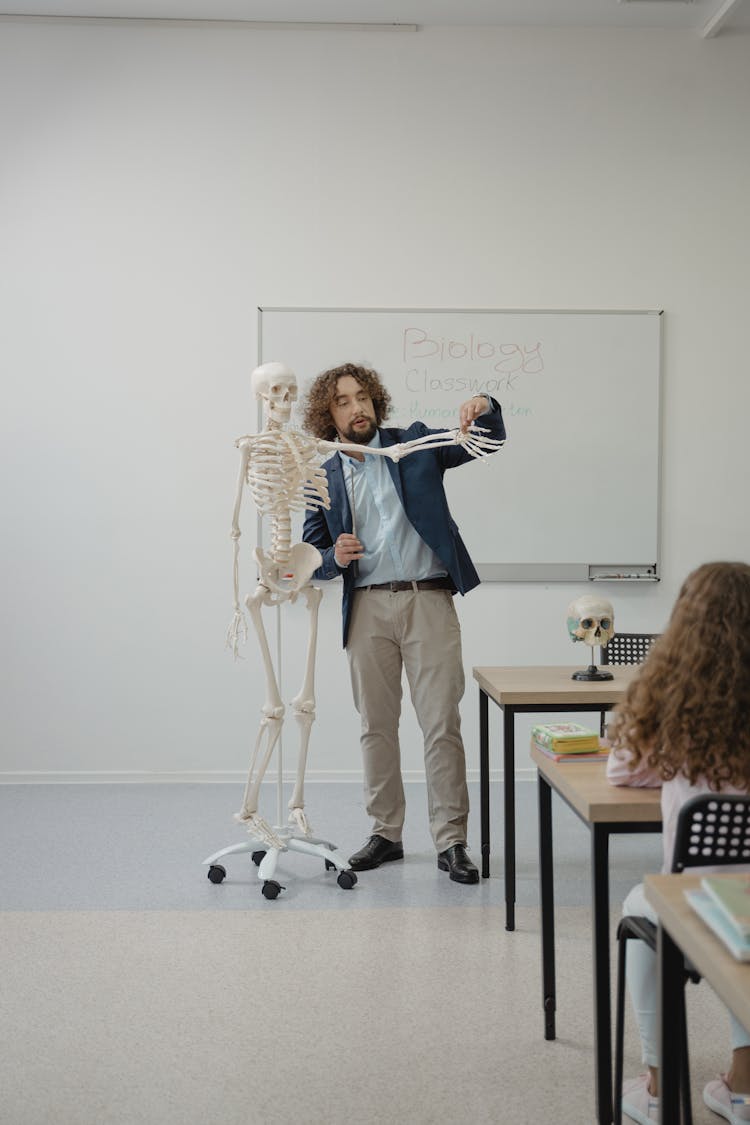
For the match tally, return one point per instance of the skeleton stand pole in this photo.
(279, 747)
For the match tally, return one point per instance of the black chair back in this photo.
(713, 830)
(628, 648)
(625, 648)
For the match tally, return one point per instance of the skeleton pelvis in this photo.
(288, 577)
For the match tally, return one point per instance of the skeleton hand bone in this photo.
(473, 440)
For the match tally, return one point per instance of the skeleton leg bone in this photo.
(270, 729)
(269, 732)
(304, 710)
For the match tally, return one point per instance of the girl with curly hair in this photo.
(684, 725)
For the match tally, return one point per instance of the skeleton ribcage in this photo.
(284, 476)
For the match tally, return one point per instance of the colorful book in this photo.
(731, 893)
(708, 909)
(598, 754)
(565, 738)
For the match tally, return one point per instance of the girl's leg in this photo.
(642, 985)
(738, 1078)
(729, 1095)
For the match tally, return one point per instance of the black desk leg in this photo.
(671, 995)
(509, 786)
(602, 1005)
(547, 895)
(484, 782)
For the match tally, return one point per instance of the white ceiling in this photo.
(702, 17)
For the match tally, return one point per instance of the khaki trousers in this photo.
(418, 631)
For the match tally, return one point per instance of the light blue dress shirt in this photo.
(393, 550)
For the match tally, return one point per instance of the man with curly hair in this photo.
(390, 535)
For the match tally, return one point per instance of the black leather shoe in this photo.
(457, 863)
(377, 850)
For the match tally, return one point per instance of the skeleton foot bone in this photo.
(298, 818)
(261, 830)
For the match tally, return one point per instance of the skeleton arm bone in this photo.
(237, 630)
(474, 441)
(352, 447)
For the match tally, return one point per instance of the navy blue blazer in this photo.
(419, 483)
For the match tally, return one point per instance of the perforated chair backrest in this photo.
(628, 648)
(713, 830)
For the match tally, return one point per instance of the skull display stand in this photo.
(282, 469)
(591, 620)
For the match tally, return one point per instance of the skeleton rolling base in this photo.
(266, 859)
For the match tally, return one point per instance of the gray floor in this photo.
(141, 847)
(136, 992)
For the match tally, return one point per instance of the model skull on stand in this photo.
(592, 620)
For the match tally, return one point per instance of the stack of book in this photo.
(568, 742)
(723, 902)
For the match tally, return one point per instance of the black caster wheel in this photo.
(330, 866)
(217, 873)
(271, 888)
(257, 858)
(347, 879)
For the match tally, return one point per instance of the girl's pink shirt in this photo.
(674, 794)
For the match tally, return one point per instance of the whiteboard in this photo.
(574, 492)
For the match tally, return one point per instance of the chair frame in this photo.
(713, 830)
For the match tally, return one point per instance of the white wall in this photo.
(157, 184)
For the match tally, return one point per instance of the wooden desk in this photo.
(605, 809)
(681, 931)
(538, 690)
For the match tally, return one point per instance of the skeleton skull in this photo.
(591, 620)
(276, 385)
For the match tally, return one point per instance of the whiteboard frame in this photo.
(641, 571)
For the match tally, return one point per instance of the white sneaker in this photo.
(734, 1107)
(637, 1102)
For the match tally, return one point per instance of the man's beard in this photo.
(362, 436)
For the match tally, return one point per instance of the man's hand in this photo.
(470, 410)
(347, 548)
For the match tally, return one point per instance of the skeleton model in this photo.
(591, 620)
(282, 469)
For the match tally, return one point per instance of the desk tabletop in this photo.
(550, 685)
(729, 978)
(585, 787)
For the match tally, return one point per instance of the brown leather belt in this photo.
(425, 584)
